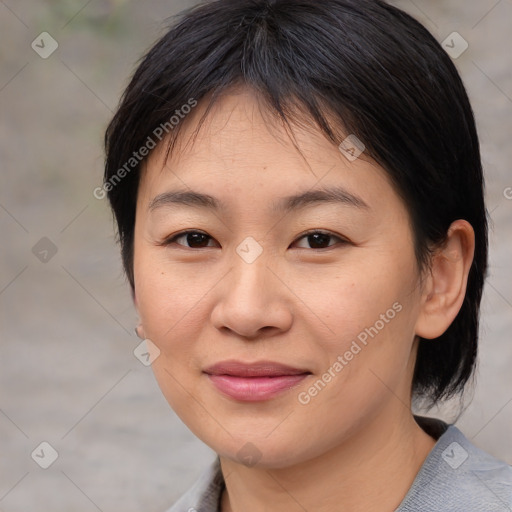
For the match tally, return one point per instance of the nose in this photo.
(252, 301)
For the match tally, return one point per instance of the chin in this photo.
(260, 452)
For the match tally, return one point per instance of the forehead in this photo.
(240, 146)
(240, 126)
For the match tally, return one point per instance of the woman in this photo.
(299, 198)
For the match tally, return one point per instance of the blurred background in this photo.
(68, 374)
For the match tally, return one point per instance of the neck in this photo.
(372, 470)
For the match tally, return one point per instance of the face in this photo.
(283, 304)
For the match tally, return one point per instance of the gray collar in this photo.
(456, 473)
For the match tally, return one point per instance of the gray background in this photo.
(68, 375)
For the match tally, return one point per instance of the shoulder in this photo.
(457, 476)
(205, 494)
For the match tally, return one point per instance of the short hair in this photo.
(359, 67)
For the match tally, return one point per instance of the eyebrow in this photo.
(190, 198)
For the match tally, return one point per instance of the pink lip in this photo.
(256, 381)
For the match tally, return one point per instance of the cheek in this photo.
(370, 309)
(172, 308)
(168, 301)
(170, 298)
(352, 294)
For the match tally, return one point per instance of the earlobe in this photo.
(445, 287)
(139, 331)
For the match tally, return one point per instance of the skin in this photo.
(355, 446)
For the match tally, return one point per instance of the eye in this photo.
(194, 239)
(320, 239)
(197, 240)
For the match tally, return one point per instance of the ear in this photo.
(445, 286)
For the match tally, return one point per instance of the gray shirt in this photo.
(455, 477)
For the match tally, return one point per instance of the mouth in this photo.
(253, 382)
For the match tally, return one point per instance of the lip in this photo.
(253, 382)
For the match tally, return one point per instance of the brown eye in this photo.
(191, 239)
(320, 240)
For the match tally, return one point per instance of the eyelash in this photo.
(172, 240)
